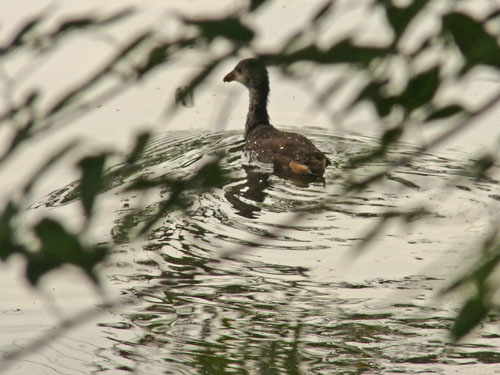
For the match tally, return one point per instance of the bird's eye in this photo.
(238, 70)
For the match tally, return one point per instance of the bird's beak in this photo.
(230, 76)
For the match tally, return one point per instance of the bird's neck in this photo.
(257, 110)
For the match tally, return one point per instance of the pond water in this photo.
(261, 275)
(258, 277)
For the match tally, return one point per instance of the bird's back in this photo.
(286, 150)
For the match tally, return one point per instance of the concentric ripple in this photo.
(281, 298)
(256, 208)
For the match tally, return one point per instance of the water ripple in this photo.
(291, 299)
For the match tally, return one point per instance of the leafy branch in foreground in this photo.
(416, 102)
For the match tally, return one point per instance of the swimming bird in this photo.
(288, 152)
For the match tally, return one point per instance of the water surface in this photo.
(291, 298)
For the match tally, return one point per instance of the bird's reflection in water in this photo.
(252, 188)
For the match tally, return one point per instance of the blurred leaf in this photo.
(361, 185)
(477, 46)
(254, 4)
(91, 181)
(82, 22)
(25, 29)
(57, 243)
(342, 52)
(471, 314)
(78, 23)
(363, 158)
(400, 18)
(482, 165)
(59, 247)
(209, 176)
(157, 56)
(484, 271)
(230, 28)
(293, 42)
(479, 273)
(136, 42)
(19, 37)
(391, 136)
(444, 112)
(118, 16)
(322, 12)
(420, 90)
(373, 93)
(25, 130)
(141, 142)
(347, 52)
(30, 99)
(21, 135)
(8, 245)
(494, 14)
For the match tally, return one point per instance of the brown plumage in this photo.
(288, 152)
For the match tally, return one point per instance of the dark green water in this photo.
(290, 300)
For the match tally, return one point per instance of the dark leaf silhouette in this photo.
(494, 14)
(374, 93)
(481, 166)
(255, 4)
(20, 36)
(448, 111)
(420, 90)
(486, 265)
(91, 182)
(391, 136)
(230, 28)
(342, 52)
(20, 136)
(157, 56)
(474, 310)
(60, 247)
(477, 46)
(83, 22)
(8, 244)
(29, 100)
(400, 18)
(322, 12)
(140, 145)
(131, 46)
